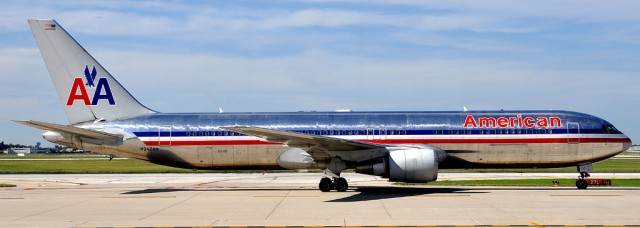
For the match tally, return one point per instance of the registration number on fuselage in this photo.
(149, 148)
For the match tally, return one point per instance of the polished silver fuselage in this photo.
(470, 139)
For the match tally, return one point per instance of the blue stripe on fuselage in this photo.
(409, 123)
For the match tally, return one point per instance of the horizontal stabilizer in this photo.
(87, 133)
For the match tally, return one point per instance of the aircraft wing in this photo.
(87, 133)
(312, 143)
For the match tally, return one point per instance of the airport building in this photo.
(26, 150)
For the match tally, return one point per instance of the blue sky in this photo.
(196, 56)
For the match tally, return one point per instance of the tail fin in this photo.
(86, 90)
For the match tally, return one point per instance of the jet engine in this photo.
(406, 164)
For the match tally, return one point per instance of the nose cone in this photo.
(627, 143)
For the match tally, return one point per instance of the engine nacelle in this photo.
(413, 165)
(408, 165)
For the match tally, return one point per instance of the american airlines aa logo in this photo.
(101, 90)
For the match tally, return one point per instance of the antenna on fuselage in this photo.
(220, 110)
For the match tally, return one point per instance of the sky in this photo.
(379, 55)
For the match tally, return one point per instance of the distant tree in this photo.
(10, 145)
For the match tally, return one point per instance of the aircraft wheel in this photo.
(325, 184)
(582, 184)
(341, 184)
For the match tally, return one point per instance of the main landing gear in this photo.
(327, 184)
(584, 170)
(332, 179)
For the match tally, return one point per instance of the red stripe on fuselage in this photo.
(498, 141)
(400, 141)
(209, 143)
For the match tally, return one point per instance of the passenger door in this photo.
(573, 133)
(164, 135)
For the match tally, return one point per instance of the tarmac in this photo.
(292, 199)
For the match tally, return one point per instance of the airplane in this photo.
(403, 146)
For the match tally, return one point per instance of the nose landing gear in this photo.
(584, 170)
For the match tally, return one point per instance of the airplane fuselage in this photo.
(470, 139)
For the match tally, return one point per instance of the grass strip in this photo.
(606, 166)
(522, 182)
(100, 166)
(7, 185)
(138, 166)
(54, 156)
(86, 166)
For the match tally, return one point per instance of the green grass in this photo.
(606, 166)
(86, 166)
(7, 185)
(136, 166)
(100, 166)
(523, 182)
(54, 156)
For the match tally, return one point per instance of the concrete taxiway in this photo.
(291, 199)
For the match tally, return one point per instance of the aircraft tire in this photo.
(582, 184)
(325, 184)
(341, 184)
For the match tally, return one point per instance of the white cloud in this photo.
(466, 43)
(316, 76)
(580, 10)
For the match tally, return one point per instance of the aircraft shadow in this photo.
(363, 193)
(166, 190)
(377, 193)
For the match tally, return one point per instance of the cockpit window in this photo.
(609, 129)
